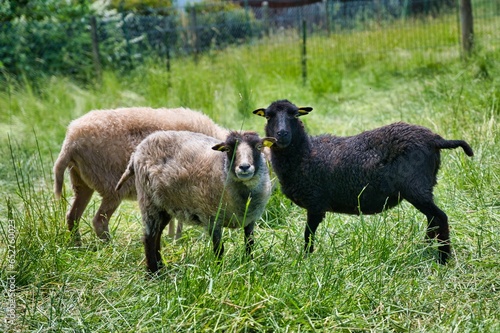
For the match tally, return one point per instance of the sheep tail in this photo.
(451, 144)
(129, 172)
(60, 166)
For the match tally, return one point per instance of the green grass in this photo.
(369, 273)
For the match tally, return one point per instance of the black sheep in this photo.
(364, 173)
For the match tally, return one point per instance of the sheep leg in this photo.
(178, 232)
(101, 218)
(164, 220)
(215, 229)
(437, 227)
(173, 232)
(249, 239)
(171, 229)
(83, 193)
(154, 223)
(313, 220)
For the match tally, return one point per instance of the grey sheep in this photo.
(184, 175)
(364, 173)
(98, 146)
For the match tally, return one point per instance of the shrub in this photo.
(219, 25)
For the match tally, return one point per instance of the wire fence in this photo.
(330, 28)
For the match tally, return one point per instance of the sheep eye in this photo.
(259, 146)
(268, 117)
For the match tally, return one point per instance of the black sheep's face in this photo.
(282, 120)
(244, 152)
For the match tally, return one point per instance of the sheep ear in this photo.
(268, 142)
(260, 112)
(303, 110)
(220, 147)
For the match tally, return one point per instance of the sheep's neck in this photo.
(242, 190)
(244, 197)
(287, 160)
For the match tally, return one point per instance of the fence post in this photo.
(194, 26)
(327, 16)
(406, 9)
(167, 49)
(467, 26)
(125, 33)
(95, 48)
(304, 52)
(247, 18)
(265, 16)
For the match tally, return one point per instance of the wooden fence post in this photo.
(95, 48)
(467, 26)
(194, 27)
(304, 52)
(167, 32)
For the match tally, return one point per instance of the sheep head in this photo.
(282, 120)
(244, 153)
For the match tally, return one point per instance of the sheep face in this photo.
(244, 153)
(282, 120)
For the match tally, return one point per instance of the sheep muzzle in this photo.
(244, 171)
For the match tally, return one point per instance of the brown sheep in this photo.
(184, 175)
(97, 149)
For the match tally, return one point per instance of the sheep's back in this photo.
(373, 162)
(179, 172)
(102, 141)
(139, 120)
(374, 149)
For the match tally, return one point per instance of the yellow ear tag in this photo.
(305, 110)
(260, 112)
(219, 147)
(268, 142)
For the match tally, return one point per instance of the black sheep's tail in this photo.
(451, 144)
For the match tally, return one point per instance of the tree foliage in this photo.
(43, 9)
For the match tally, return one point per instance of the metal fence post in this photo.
(327, 16)
(265, 17)
(247, 18)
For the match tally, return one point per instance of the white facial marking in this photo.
(244, 164)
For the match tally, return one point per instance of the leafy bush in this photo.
(142, 6)
(56, 39)
(46, 36)
(219, 25)
(35, 47)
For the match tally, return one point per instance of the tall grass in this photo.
(369, 273)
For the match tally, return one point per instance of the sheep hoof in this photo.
(105, 237)
(308, 252)
(156, 272)
(443, 257)
(154, 275)
(76, 239)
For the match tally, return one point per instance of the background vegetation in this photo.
(369, 273)
(79, 38)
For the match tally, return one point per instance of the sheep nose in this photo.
(282, 133)
(244, 167)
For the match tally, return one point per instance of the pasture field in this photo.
(368, 274)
